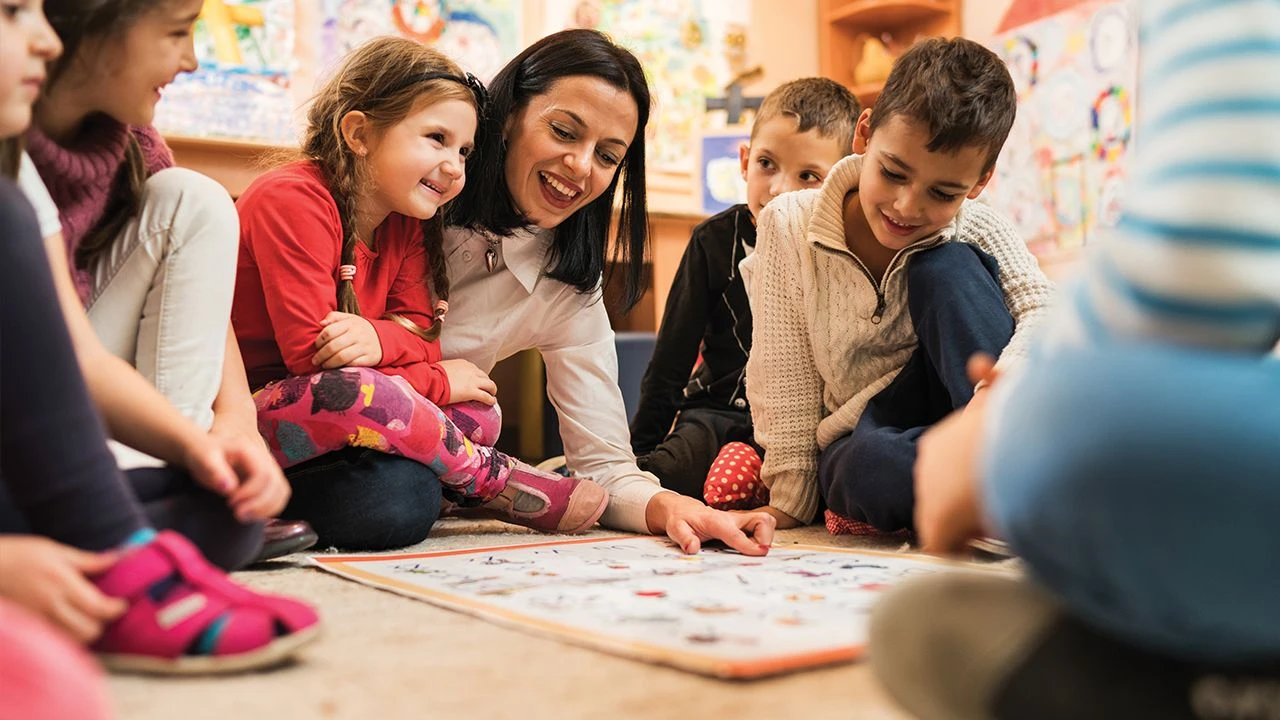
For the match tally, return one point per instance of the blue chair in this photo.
(635, 349)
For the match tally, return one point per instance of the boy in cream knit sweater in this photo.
(871, 293)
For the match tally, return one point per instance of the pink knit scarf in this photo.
(82, 175)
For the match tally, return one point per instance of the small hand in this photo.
(239, 467)
(688, 523)
(948, 508)
(468, 382)
(51, 580)
(346, 340)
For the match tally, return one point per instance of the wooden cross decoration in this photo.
(733, 101)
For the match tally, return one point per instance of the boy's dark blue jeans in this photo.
(957, 309)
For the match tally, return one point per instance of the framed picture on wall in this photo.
(720, 181)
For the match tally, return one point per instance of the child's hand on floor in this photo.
(50, 580)
(468, 382)
(346, 341)
(948, 511)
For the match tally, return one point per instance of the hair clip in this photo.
(442, 307)
(478, 89)
(467, 80)
(346, 272)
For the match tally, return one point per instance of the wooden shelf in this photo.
(234, 163)
(843, 25)
(871, 15)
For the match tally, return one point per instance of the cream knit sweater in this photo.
(819, 352)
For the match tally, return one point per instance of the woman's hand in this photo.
(689, 523)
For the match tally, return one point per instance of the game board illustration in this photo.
(716, 613)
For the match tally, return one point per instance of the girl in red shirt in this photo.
(339, 256)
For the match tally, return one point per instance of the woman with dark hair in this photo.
(526, 252)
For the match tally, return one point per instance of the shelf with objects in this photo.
(858, 39)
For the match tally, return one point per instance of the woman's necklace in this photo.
(491, 252)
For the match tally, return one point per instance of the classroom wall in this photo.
(981, 17)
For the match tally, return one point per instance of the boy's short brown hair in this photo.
(814, 102)
(959, 90)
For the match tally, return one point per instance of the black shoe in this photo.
(285, 537)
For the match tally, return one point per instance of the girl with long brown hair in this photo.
(150, 251)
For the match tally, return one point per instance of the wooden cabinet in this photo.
(843, 26)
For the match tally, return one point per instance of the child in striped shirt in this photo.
(1133, 461)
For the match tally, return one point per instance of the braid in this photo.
(385, 79)
(342, 176)
(433, 240)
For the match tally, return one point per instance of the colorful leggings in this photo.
(306, 416)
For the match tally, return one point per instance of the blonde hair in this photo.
(386, 79)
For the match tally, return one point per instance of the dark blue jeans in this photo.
(957, 309)
(360, 499)
(57, 477)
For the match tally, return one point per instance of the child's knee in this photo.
(947, 268)
(188, 201)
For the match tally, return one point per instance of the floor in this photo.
(387, 657)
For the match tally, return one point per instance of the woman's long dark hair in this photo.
(580, 248)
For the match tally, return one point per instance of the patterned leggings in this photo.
(306, 416)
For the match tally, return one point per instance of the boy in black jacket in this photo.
(802, 129)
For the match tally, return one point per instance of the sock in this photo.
(138, 538)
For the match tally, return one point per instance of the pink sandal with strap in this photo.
(186, 617)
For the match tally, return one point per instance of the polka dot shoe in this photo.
(734, 480)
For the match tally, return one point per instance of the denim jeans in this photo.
(361, 499)
(57, 478)
(161, 295)
(957, 309)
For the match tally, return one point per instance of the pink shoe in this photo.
(545, 502)
(733, 483)
(186, 617)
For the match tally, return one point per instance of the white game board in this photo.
(717, 613)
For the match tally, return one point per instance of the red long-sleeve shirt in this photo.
(287, 276)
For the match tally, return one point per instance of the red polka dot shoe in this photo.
(733, 482)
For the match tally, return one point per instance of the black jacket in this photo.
(706, 311)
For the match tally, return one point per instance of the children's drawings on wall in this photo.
(717, 613)
(689, 49)
(480, 35)
(250, 53)
(242, 88)
(1061, 175)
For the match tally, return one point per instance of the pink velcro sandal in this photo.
(186, 617)
(543, 501)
